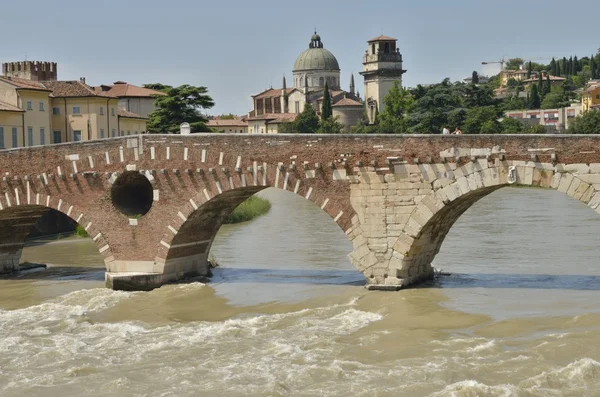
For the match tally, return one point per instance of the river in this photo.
(287, 314)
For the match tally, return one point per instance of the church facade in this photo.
(316, 67)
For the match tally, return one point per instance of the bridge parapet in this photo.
(395, 196)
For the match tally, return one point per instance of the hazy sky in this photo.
(238, 48)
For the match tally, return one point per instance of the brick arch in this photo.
(19, 212)
(431, 220)
(184, 248)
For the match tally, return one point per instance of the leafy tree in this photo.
(393, 118)
(514, 64)
(475, 77)
(326, 111)
(514, 103)
(557, 98)
(481, 120)
(534, 100)
(229, 116)
(307, 122)
(536, 129)
(512, 126)
(181, 104)
(587, 123)
(456, 118)
(330, 126)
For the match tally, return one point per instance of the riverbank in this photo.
(250, 209)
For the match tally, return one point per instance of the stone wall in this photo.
(395, 196)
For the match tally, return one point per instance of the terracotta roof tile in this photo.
(382, 38)
(24, 83)
(347, 102)
(275, 117)
(273, 93)
(69, 89)
(129, 115)
(9, 108)
(552, 78)
(121, 89)
(227, 123)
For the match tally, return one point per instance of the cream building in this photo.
(41, 112)
(313, 68)
(132, 98)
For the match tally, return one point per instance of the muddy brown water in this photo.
(286, 314)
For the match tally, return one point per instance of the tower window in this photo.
(321, 82)
(373, 48)
(387, 48)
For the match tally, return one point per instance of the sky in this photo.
(238, 48)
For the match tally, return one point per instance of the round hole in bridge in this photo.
(132, 194)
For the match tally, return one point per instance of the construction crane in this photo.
(502, 70)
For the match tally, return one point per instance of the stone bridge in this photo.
(154, 203)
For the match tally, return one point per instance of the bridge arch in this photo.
(184, 248)
(428, 224)
(18, 214)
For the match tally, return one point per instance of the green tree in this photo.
(307, 122)
(229, 116)
(330, 126)
(512, 126)
(564, 66)
(529, 69)
(393, 118)
(326, 111)
(181, 104)
(553, 67)
(586, 123)
(482, 120)
(514, 64)
(534, 99)
(475, 77)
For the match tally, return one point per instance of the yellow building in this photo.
(32, 98)
(591, 97)
(35, 111)
(131, 123)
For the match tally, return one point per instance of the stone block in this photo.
(594, 201)
(595, 168)
(581, 190)
(404, 244)
(565, 182)
(590, 178)
(422, 215)
(556, 180)
(463, 185)
(389, 178)
(574, 186)
(579, 168)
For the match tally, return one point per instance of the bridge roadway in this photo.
(154, 203)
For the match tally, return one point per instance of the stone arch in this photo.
(184, 248)
(428, 224)
(18, 215)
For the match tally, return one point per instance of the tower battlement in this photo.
(31, 70)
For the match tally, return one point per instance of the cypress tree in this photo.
(564, 66)
(326, 111)
(593, 66)
(571, 66)
(558, 71)
(534, 100)
(553, 67)
(548, 85)
(529, 69)
(540, 85)
(575, 65)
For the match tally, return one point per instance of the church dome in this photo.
(316, 57)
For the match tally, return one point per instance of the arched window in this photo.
(373, 48)
(321, 82)
(301, 81)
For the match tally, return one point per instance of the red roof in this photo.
(227, 123)
(347, 102)
(9, 108)
(129, 115)
(382, 38)
(275, 117)
(72, 89)
(123, 89)
(24, 83)
(272, 93)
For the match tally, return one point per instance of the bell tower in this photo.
(382, 66)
